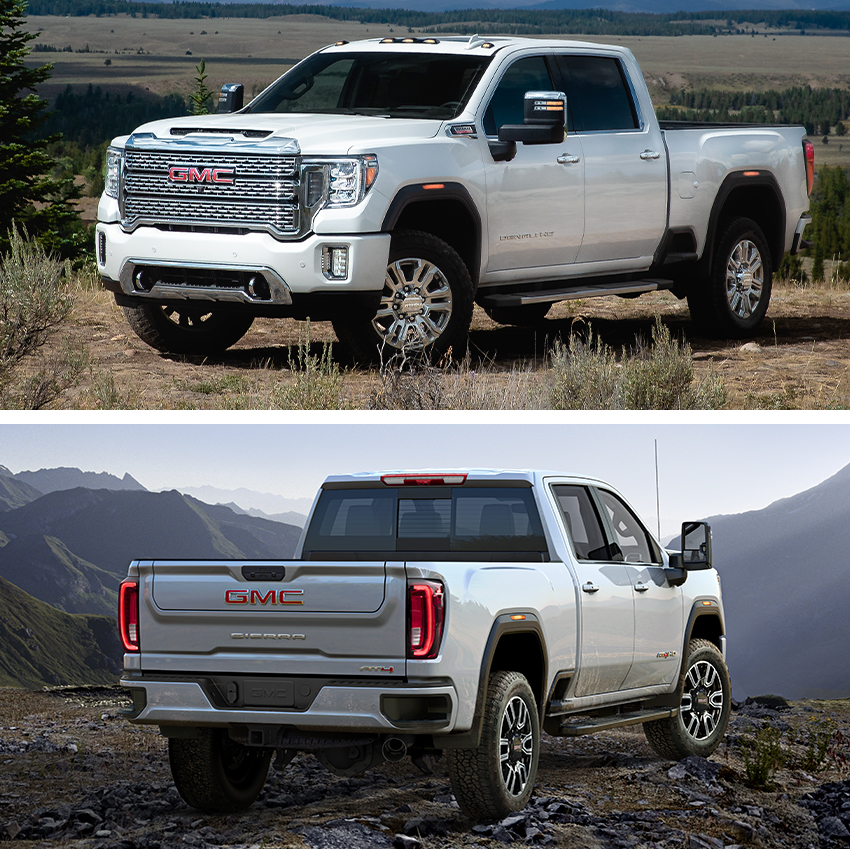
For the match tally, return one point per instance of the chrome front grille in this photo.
(263, 194)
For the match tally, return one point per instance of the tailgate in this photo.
(273, 617)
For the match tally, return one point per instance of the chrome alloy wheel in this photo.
(702, 700)
(416, 304)
(744, 278)
(516, 746)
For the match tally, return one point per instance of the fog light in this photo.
(335, 262)
(142, 281)
(259, 288)
(101, 248)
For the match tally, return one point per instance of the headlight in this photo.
(344, 181)
(114, 156)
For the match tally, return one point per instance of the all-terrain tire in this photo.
(706, 700)
(214, 773)
(732, 301)
(426, 303)
(187, 329)
(497, 778)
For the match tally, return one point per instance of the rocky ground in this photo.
(74, 774)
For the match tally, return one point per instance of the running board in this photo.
(590, 725)
(518, 299)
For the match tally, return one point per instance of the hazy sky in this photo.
(704, 469)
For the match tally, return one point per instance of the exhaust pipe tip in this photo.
(394, 749)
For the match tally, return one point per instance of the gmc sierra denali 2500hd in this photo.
(388, 185)
(425, 612)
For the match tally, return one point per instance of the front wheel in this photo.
(700, 724)
(187, 329)
(215, 773)
(734, 298)
(497, 778)
(426, 303)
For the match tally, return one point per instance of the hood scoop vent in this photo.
(248, 134)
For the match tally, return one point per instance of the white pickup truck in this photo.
(390, 184)
(427, 612)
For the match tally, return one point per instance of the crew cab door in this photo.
(535, 201)
(658, 607)
(625, 165)
(606, 606)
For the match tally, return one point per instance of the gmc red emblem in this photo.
(193, 174)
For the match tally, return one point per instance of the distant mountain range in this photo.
(50, 480)
(264, 504)
(786, 592)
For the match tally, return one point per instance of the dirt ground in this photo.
(799, 360)
(66, 756)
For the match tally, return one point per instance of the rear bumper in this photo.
(799, 243)
(339, 706)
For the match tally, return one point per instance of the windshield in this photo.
(392, 85)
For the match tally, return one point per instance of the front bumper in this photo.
(344, 706)
(288, 268)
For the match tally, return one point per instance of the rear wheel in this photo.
(733, 300)
(700, 724)
(426, 303)
(214, 773)
(497, 778)
(187, 329)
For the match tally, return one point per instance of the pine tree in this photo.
(25, 163)
(200, 98)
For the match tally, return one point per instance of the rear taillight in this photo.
(809, 150)
(425, 614)
(128, 615)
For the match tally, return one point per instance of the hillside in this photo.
(50, 480)
(785, 576)
(15, 493)
(44, 567)
(40, 645)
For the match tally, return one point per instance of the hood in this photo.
(304, 133)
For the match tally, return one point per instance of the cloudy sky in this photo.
(704, 469)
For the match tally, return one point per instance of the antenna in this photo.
(657, 493)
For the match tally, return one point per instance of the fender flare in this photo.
(503, 625)
(418, 193)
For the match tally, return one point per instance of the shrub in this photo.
(317, 384)
(33, 300)
(763, 756)
(655, 376)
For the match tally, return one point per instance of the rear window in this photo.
(470, 520)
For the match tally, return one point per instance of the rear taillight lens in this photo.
(425, 614)
(809, 150)
(128, 615)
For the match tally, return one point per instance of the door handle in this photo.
(650, 154)
(641, 587)
(590, 588)
(568, 159)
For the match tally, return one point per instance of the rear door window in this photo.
(598, 95)
(583, 523)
